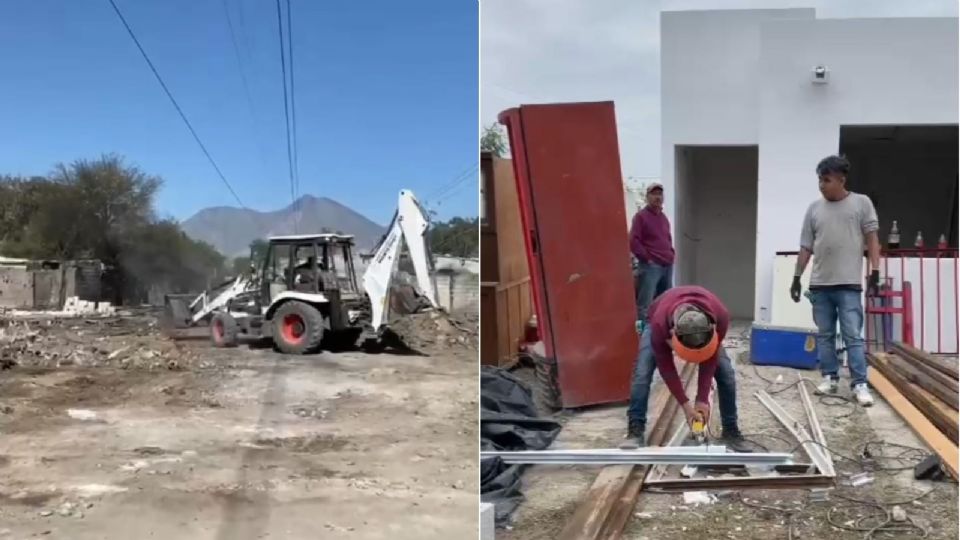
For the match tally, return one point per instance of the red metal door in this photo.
(567, 165)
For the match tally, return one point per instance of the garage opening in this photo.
(910, 173)
(716, 222)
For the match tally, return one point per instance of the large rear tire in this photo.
(297, 328)
(223, 330)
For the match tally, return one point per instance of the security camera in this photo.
(820, 74)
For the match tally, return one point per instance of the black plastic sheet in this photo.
(508, 421)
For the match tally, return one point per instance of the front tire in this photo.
(223, 330)
(297, 328)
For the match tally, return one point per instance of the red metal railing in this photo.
(918, 301)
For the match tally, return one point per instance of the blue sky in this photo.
(386, 97)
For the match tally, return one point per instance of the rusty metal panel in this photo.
(567, 166)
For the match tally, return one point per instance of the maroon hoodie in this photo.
(661, 319)
(650, 239)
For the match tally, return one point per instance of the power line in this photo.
(246, 86)
(453, 187)
(461, 177)
(293, 101)
(175, 104)
(286, 111)
(452, 192)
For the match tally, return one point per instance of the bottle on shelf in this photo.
(893, 239)
(942, 243)
(918, 243)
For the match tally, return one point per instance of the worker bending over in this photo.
(690, 322)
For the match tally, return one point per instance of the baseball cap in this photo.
(689, 324)
(653, 186)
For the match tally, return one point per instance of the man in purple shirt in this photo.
(688, 322)
(652, 245)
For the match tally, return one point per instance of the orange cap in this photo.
(696, 356)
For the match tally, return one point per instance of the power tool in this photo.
(699, 429)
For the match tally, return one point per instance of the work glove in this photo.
(795, 289)
(873, 283)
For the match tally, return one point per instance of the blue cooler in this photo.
(783, 346)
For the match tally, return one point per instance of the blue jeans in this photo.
(845, 305)
(654, 281)
(643, 377)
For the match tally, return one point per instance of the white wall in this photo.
(709, 95)
(882, 71)
(744, 77)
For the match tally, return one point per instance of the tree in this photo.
(458, 237)
(493, 140)
(103, 209)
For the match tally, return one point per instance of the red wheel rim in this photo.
(218, 330)
(293, 328)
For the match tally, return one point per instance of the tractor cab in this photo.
(316, 264)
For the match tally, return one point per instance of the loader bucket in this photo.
(176, 311)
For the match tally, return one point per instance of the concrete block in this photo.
(487, 521)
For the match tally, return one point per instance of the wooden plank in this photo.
(918, 399)
(928, 433)
(911, 372)
(743, 482)
(614, 493)
(936, 374)
(623, 508)
(949, 367)
(945, 409)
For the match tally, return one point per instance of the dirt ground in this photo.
(552, 493)
(169, 439)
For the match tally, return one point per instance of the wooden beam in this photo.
(928, 433)
(797, 481)
(608, 503)
(948, 367)
(922, 401)
(911, 372)
(623, 509)
(936, 374)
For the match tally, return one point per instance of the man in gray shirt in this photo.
(835, 229)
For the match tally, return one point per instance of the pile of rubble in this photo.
(116, 342)
(435, 329)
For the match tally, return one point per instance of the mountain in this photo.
(231, 230)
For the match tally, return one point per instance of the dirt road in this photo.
(241, 444)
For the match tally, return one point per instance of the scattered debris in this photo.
(859, 479)
(132, 342)
(81, 414)
(432, 329)
(698, 497)
(898, 514)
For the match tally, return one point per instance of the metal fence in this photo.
(917, 303)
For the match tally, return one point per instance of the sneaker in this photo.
(863, 395)
(634, 437)
(735, 441)
(828, 386)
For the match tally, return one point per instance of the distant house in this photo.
(46, 284)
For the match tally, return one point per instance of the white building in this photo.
(745, 121)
